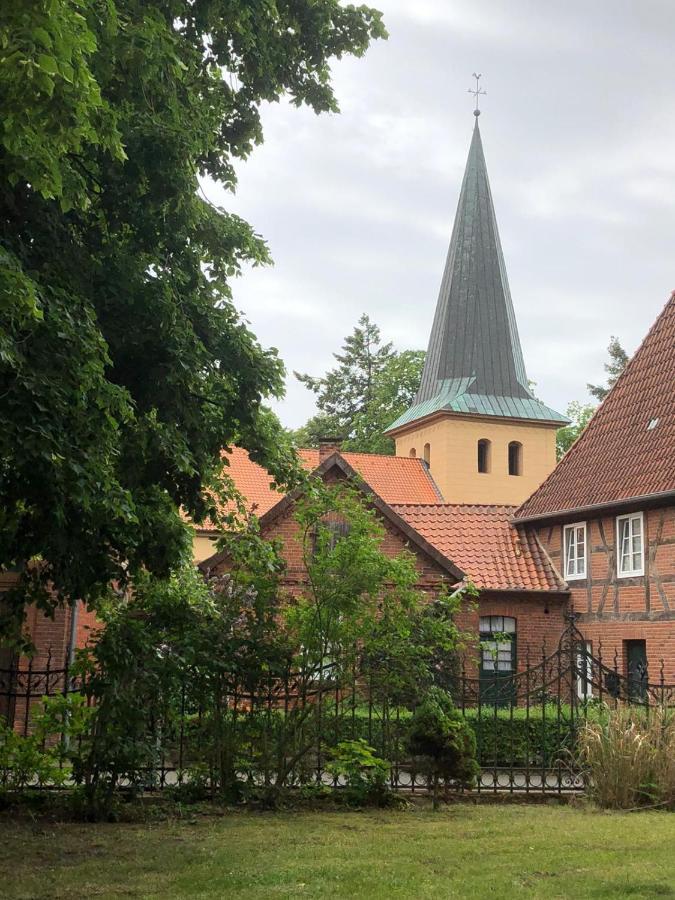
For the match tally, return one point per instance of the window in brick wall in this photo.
(498, 643)
(497, 659)
(630, 554)
(574, 541)
(335, 530)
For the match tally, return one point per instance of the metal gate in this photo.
(526, 724)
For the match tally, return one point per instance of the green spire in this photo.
(474, 362)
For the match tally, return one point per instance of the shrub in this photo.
(629, 757)
(44, 757)
(444, 741)
(365, 775)
(520, 738)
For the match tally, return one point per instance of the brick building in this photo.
(606, 514)
(520, 591)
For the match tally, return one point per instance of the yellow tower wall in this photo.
(203, 547)
(453, 457)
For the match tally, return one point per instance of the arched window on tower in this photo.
(427, 453)
(515, 458)
(484, 447)
(413, 452)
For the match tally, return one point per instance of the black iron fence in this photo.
(525, 723)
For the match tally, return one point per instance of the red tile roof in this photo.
(481, 541)
(478, 540)
(396, 479)
(628, 448)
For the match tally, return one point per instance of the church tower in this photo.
(485, 436)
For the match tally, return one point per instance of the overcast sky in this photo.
(579, 134)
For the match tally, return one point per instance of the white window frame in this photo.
(498, 656)
(640, 570)
(575, 576)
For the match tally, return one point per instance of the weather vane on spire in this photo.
(477, 91)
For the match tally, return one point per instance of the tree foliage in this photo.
(368, 389)
(444, 740)
(254, 680)
(618, 360)
(579, 415)
(124, 366)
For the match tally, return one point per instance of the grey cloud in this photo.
(578, 129)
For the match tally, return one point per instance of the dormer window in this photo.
(515, 458)
(484, 455)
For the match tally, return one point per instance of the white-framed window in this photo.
(498, 644)
(584, 674)
(574, 542)
(630, 545)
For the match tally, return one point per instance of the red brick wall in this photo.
(613, 610)
(286, 529)
(53, 634)
(540, 619)
(539, 624)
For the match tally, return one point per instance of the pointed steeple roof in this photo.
(474, 362)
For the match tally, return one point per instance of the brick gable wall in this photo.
(540, 616)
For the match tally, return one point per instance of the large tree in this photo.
(368, 389)
(124, 367)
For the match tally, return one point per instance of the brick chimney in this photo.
(328, 446)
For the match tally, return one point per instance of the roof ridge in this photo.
(463, 505)
(485, 505)
(414, 459)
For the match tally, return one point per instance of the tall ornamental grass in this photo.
(629, 757)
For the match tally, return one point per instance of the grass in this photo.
(463, 851)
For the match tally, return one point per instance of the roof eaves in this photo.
(401, 426)
(640, 500)
(557, 593)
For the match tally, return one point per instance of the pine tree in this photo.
(368, 389)
(618, 360)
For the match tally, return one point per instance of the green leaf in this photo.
(48, 64)
(42, 36)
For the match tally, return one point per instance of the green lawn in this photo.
(463, 851)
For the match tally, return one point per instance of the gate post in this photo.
(569, 644)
